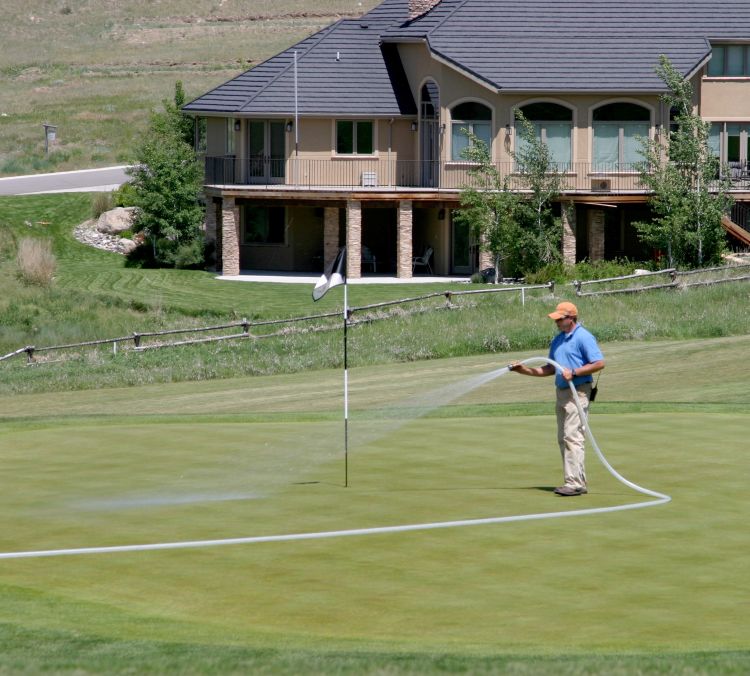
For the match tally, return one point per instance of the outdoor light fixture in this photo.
(508, 130)
(289, 125)
(414, 126)
(237, 125)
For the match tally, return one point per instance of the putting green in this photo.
(646, 578)
(220, 460)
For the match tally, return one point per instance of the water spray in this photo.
(445, 395)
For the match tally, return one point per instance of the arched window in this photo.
(429, 126)
(553, 125)
(476, 118)
(617, 127)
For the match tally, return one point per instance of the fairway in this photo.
(260, 457)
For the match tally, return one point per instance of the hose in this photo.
(661, 497)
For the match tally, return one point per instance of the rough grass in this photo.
(96, 296)
(96, 70)
(36, 262)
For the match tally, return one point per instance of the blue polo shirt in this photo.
(573, 350)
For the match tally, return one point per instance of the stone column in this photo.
(404, 246)
(354, 240)
(569, 233)
(596, 234)
(230, 237)
(330, 234)
(485, 257)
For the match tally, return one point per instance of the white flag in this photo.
(334, 275)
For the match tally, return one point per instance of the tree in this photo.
(167, 181)
(539, 174)
(489, 208)
(518, 229)
(689, 196)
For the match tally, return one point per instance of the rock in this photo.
(87, 233)
(115, 220)
(127, 245)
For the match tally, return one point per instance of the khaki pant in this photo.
(570, 433)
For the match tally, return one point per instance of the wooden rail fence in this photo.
(247, 326)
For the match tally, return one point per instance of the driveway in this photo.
(84, 180)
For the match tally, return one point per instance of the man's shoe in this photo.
(567, 491)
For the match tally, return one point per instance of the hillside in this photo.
(96, 68)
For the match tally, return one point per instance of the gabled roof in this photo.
(609, 46)
(575, 45)
(341, 70)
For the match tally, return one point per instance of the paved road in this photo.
(86, 180)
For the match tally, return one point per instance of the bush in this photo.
(583, 271)
(125, 196)
(36, 262)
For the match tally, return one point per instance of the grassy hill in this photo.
(95, 295)
(97, 68)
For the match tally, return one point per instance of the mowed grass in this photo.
(662, 589)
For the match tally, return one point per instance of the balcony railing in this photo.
(371, 173)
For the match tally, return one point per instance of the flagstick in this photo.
(346, 392)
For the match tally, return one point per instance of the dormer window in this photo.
(729, 61)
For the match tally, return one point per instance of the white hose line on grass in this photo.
(193, 544)
(661, 497)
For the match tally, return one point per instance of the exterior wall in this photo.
(568, 220)
(596, 234)
(430, 230)
(404, 249)
(456, 87)
(725, 99)
(302, 251)
(230, 234)
(354, 239)
(216, 136)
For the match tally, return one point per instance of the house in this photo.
(354, 135)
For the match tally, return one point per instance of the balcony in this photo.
(384, 175)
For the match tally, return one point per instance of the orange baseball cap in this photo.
(564, 310)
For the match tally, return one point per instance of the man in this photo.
(576, 350)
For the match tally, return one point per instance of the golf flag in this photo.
(334, 275)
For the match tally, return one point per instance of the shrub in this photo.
(36, 262)
(125, 195)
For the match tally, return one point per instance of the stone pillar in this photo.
(210, 230)
(596, 234)
(330, 234)
(404, 246)
(353, 240)
(569, 233)
(485, 257)
(230, 237)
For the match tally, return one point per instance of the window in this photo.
(354, 137)
(553, 125)
(230, 136)
(199, 135)
(474, 117)
(729, 61)
(730, 142)
(263, 225)
(618, 128)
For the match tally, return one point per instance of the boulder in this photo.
(115, 221)
(127, 245)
